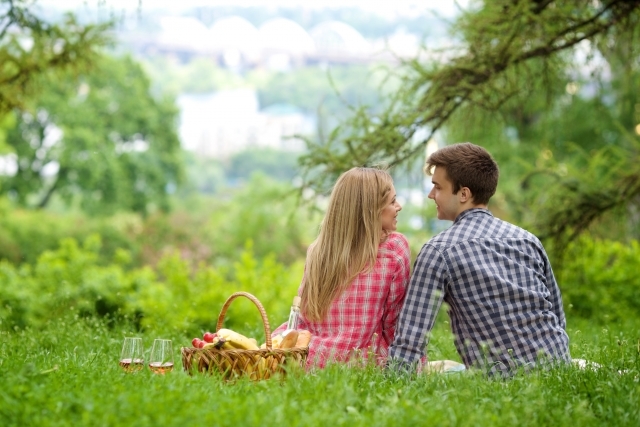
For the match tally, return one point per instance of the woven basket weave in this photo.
(255, 364)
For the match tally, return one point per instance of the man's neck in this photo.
(468, 206)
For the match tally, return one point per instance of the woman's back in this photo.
(364, 315)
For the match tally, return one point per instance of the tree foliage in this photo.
(30, 47)
(99, 139)
(514, 61)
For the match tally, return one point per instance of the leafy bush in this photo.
(599, 279)
(263, 211)
(192, 304)
(70, 279)
(26, 234)
(65, 280)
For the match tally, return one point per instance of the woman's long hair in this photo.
(348, 241)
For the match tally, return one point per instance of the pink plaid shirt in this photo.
(364, 316)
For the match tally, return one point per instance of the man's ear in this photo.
(465, 195)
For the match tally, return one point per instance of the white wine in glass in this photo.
(161, 360)
(131, 359)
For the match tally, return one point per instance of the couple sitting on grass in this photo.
(361, 301)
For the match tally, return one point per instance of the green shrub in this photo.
(263, 211)
(71, 280)
(68, 279)
(26, 234)
(599, 279)
(192, 303)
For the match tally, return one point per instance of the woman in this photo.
(356, 271)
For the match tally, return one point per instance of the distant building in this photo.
(284, 44)
(223, 123)
(336, 41)
(235, 42)
(278, 44)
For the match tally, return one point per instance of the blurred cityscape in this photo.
(231, 120)
(265, 39)
(247, 78)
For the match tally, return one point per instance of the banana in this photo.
(263, 370)
(216, 343)
(226, 345)
(236, 340)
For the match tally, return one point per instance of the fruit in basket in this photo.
(197, 343)
(208, 345)
(263, 369)
(215, 343)
(208, 337)
(236, 340)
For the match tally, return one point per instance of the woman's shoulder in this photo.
(396, 241)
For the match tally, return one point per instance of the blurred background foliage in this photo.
(122, 160)
(130, 226)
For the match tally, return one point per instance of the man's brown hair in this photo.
(467, 165)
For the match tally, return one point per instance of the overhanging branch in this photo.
(444, 89)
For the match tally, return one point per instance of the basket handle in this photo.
(263, 313)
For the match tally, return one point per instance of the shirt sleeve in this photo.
(397, 289)
(554, 291)
(424, 298)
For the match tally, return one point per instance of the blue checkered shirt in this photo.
(504, 303)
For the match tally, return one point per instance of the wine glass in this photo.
(131, 359)
(161, 360)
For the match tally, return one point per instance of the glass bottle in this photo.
(294, 315)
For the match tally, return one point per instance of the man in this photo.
(504, 303)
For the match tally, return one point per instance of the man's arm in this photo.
(554, 293)
(424, 298)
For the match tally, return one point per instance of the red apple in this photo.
(194, 342)
(201, 343)
(208, 337)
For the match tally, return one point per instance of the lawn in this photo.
(68, 375)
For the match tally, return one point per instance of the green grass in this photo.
(67, 375)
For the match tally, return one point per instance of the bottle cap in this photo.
(296, 301)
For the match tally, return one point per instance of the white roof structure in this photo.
(340, 38)
(279, 43)
(183, 33)
(285, 35)
(234, 32)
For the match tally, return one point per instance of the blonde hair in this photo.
(349, 236)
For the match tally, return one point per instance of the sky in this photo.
(383, 7)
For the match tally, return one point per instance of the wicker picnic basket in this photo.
(256, 364)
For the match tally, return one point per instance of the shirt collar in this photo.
(470, 212)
